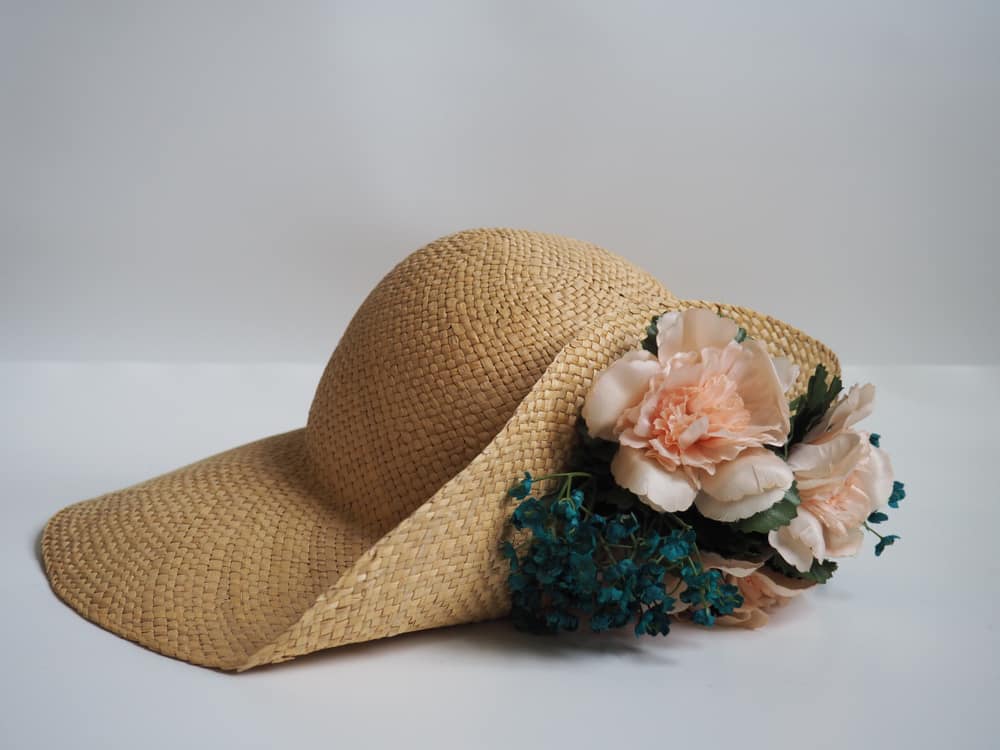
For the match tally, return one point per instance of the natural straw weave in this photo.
(465, 366)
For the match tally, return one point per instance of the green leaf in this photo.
(724, 539)
(649, 343)
(619, 497)
(593, 456)
(820, 572)
(809, 408)
(741, 335)
(778, 515)
(591, 453)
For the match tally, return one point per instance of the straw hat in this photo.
(465, 366)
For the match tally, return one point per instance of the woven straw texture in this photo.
(465, 366)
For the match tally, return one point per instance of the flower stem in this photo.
(880, 536)
(566, 475)
(678, 520)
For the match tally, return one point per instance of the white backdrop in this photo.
(226, 181)
(213, 181)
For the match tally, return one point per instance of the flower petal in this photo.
(660, 489)
(800, 541)
(761, 389)
(779, 585)
(751, 619)
(845, 413)
(692, 330)
(753, 472)
(876, 477)
(788, 372)
(829, 461)
(845, 544)
(738, 568)
(735, 510)
(616, 389)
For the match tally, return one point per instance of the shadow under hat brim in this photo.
(209, 562)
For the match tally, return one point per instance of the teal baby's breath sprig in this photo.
(878, 516)
(608, 568)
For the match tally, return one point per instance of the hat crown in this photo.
(437, 358)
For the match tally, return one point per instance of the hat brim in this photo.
(242, 560)
(207, 563)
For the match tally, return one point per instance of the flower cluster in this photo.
(610, 567)
(698, 489)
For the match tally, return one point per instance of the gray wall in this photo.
(192, 181)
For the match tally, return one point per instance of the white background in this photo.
(219, 181)
(194, 198)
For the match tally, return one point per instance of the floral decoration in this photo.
(697, 489)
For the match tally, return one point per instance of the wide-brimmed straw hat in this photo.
(465, 366)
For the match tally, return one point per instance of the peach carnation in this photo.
(841, 479)
(692, 422)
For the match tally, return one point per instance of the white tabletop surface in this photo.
(900, 651)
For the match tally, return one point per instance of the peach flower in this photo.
(841, 479)
(762, 589)
(693, 421)
(843, 414)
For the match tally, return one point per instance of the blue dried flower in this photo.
(703, 617)
(651, 593)
(509, 552)
(615, 532)
(608, 569)
(886, 541)
(651, 543)
(677, 545)
(610, 595)
(600, 623)
(655, 620)
(627, 567)
(530, 514)
(567, 510)
(725, 599)
(652, 571)
(898, 494)
(523, 488)
(561, 621)
(518, 582)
